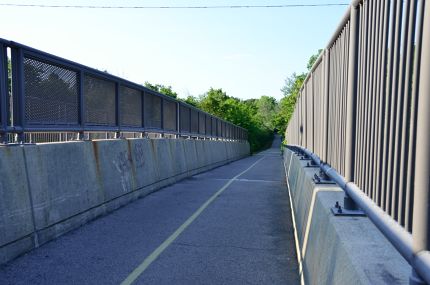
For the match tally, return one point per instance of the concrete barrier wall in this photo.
(47, 190)
(337, 249)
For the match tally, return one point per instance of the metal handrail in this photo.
(396, 234)
(364, 109)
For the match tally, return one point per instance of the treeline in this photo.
(261, 117)
(291, 91)
(255, 115)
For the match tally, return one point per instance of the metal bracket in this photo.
(337, 210)
(311, 164)
(322, 178)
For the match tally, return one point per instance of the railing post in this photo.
(4, 94)
(327, 100)
(162, 116)
(117, 110)
(178, 118)
(18, 92)
(421, 209)
(351, 96)
(81, 101)
(351, 103)
(143, 114)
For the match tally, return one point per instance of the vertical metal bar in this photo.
(374, 99)
(18, 92)
(143, 112)
(414, 108)
(399, 191)
(369, 97)
(397, 101)
(421, 211)
(406, 122)
(359, 146)
(178, 119)
(312, 112)
(4, 94)
(162, 113)
(351, 96)
(365, 95)
(305, 116)
(382, 116)
(345, 92)
(329, 105)
(189, 121)
(386, 194)
(327, 101)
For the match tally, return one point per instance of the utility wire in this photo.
(174, 7)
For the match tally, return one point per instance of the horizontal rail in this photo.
(395, 233)
(47, 93)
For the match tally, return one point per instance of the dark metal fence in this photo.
(364, 109)
(47, 98)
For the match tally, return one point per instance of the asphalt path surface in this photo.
(231, 225)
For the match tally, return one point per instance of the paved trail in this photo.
(231, 225)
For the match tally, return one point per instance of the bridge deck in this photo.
(243, 235)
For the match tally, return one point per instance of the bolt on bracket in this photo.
(338, 210)
(322, 178)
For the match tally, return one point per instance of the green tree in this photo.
(291, 91)
(313, 58)
(266, 110)
(213, 102)
(239, 112)
(160, 88)
(192, 100)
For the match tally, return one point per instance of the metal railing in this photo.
(48, 98)
(364, 110)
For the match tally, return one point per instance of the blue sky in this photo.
(246, 52)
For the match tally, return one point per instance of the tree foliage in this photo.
(291, 91)
(160, 88)
(267, 108)
(243, 113)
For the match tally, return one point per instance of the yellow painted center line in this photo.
(154, 255)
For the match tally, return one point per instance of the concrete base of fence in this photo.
(337, 249)
(47, 190)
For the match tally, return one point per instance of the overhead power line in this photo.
(175, 7)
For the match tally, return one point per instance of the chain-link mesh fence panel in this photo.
(99, 97)
(130, 107)
(152, 113)
(185, 119)
(169, 115)
(51, 93)
(202, 124)
(4, 78)
(194, 122)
